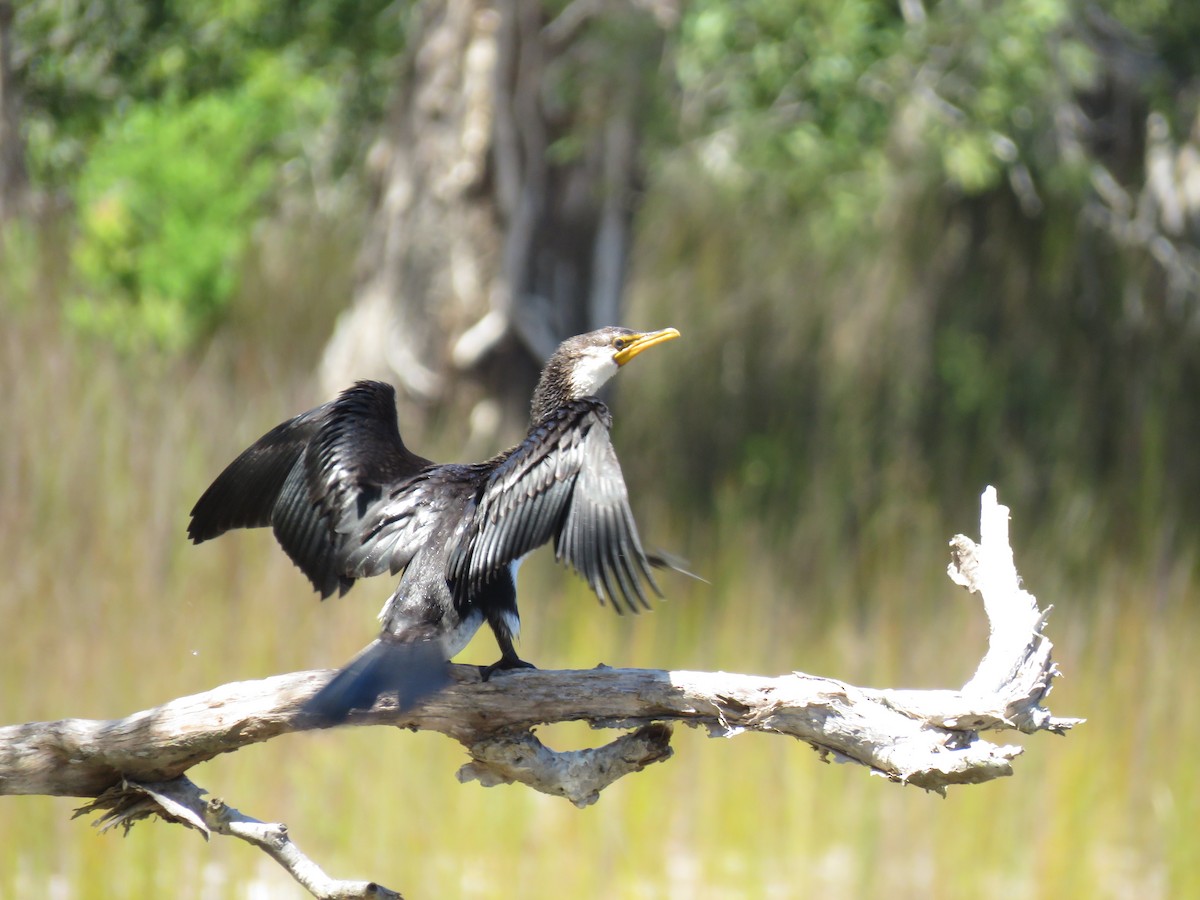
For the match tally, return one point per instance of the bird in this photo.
(347, 499)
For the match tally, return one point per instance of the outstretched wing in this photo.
(315, 479)
(245, 493)
(563, 483)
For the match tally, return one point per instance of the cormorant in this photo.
(347, 499)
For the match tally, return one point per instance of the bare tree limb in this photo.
(931, 739)
(182, 801)
(578, 775)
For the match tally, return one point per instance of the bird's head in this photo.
(582, 364)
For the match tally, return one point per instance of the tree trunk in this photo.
(13, 180)
(504, 206)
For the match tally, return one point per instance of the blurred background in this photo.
(914, 248)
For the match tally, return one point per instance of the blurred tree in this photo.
(175, 126)
(83, 62)
(12, 147)
(168, 198)
(926, 248)
(914, 247)
(507, 179)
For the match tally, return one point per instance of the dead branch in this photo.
(183, 802)
(931, 739)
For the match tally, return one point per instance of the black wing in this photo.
(562, 483)
(244, 495)
(313, 479)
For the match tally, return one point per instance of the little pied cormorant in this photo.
(347, 499)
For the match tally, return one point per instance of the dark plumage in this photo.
(348, 500)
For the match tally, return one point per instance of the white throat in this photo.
(592, 371)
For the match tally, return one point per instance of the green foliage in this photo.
(828, 105)
(174, 125)
(881, 246)
(168, 198)
(785, 81)
(80, 62)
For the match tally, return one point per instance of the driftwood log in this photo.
(135, 767)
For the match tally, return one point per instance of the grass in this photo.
(108, 609)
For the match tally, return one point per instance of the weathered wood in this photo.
(886, 730)
(931, 739)
(927, 738)
(578, 775)
(182, 801)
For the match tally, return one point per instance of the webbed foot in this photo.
(504, 664)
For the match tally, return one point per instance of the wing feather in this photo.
(419, 510)
(326, 481)
(245, 493)
(563, 483)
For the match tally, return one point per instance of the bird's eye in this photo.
(621, 343)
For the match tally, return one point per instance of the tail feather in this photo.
(412, 670)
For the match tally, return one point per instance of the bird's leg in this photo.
(508, 659)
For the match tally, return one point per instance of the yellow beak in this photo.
(644, 341)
